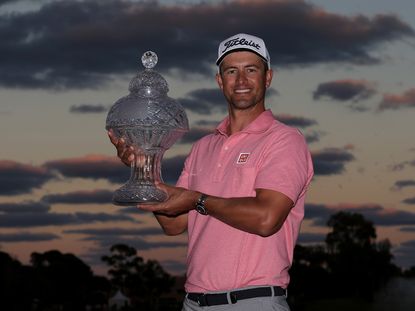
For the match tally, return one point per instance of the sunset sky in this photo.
(344, 74)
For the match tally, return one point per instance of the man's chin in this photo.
(241, 104)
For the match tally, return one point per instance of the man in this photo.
(241, 193)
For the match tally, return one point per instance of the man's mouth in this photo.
(242, 91)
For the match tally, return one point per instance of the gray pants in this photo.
(275, 303)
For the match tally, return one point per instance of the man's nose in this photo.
(241, 77)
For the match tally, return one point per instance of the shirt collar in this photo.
(259, 125)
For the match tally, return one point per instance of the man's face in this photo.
(243, 78)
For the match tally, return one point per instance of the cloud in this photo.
(392, 217)
(105, 242)
(88, 108)
(117, 231)
(6, 1)
(409, 201)
(380, 216)
(17, 178)
(345, 90)
(307, 237)
(404, 183)
(301, 122)
(195, 134)
(398, 101)
(110, 168)
(34, 220)
(24, 207)
(27, 237)
(204, 101)
(407, 229)
(331, 161)
(91, 166)
(25, 220)
(207, 123)
(172, 168)
(405, 253)
(80, 197)
(130, 210)
(312, 137)
(402, 165)
(174, 266)
(296, 121)
(94, 40)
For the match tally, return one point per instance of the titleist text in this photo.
(238, 41)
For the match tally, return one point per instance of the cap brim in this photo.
(220, 59)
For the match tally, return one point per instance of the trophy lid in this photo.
(149, 83)
(147, 105)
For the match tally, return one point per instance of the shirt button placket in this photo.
(219, 167)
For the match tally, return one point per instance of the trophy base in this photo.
(133, 194)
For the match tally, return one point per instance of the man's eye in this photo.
(230, 71)
(250, 70)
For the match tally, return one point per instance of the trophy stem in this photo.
(140, 188)
(145, 168)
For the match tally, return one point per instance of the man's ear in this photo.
(219, 80)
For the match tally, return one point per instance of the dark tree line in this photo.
(143, 282)
(56, 281)
(350, 265)
(53, 281)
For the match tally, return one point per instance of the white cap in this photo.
(243, 42)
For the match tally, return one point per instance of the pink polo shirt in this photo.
(268, 155)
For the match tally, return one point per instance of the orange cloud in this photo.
(398, 101)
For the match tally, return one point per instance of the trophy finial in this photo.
(149, 59)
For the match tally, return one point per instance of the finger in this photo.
(112, 137)
(128, 155)
(121, 148)
(131, 158)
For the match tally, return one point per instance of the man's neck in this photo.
(240, 119)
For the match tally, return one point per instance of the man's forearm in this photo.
(262, 215)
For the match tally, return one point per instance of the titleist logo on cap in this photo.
(243, 42)
(238, 41)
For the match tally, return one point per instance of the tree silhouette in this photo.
(16, 284)
(349, 231)
(143, 282)
(65, 280)
(310, 278)
(351, 264)
(54, 281)
(358, 265)
(410, 272)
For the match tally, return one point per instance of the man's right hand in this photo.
(124, 152)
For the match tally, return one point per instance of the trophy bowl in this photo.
(150, 122)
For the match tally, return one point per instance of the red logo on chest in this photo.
(243, 158)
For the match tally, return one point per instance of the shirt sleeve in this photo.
(286, 166)
(183, 180)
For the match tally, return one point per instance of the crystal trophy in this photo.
(150, 122)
